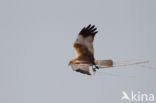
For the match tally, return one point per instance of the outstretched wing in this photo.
(84, 43)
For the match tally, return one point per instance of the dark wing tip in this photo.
(82, 71)
(89, 30)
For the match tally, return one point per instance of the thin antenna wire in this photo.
(144, 66)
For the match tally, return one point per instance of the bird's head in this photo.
(70, 63)
(73, 61)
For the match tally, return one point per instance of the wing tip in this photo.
(83, 71)
(89, 30)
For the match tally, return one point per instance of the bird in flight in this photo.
(83, 47)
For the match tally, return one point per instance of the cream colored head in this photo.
(71, 62)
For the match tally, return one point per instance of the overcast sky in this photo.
(36, 38)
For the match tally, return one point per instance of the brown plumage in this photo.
(84, 49)
(85, 52)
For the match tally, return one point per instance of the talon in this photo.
(94, 70)
(96, 67)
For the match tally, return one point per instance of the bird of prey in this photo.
(85, 52)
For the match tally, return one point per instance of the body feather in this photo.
(84, 49)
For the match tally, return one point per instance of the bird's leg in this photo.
(94, 69)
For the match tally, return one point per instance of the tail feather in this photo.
(105, 63)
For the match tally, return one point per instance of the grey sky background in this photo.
(36, 38)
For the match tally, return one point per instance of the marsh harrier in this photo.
(85, 52)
